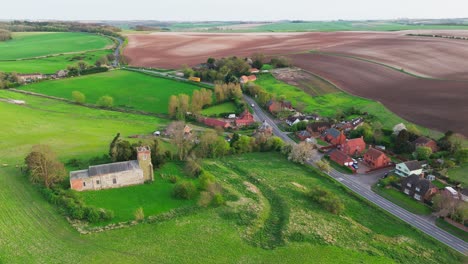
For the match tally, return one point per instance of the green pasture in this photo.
(52, 64)
(30, 45)
(460, 173)
(131, 90)
(228, 107)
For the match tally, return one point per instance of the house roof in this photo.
(244, 78)
(422, 140)
(374, 153)
(413, 165)
(304, 133)
(315, 126)
(339, 156)
(105, 169)
(251, 78)
(355, 142)
(215, 122)
(417, 182)
(246, 115)
(332, 132)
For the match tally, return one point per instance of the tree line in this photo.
(5, 35)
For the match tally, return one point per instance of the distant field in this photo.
(346, 26)
(130, 90)
(29, 45)
(326, 105)
(227, 107)
(50, 64)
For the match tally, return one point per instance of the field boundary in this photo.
(392, 67)
(115, 109)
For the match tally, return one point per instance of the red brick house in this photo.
(303, 135)
(212, 122)
(317, 128)
(375, 158)
(353, 147)
(341, 158)
(426, 142)
(245, 119)
(334, 137)
(245, 79)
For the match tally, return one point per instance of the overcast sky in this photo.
(231, 9)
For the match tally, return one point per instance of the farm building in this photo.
(23, 78)
(275, 106)
(375, 158)
(245, 79)
(115, 175)
(213, 122)
(245, 119)
(405, 169)
(419, 188)
(353, 147)
(334, 136)
(426, 142)
(341, 158)
(265, 128)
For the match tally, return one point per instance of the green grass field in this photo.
(51, 65)
(347, 26)
(130, 90)
(403, 200)
(440, 222)
(460, 174)
(154, 198)
(228, 107)
(327, 105)
(29, 45)
(33, 231)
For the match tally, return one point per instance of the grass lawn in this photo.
(440, 222)
(327, 105)
(70, 130)
(403, 200)
(154, 198)
(29, 45)
(321, 142)
(51, 65)
(227, 107)
(131, 90)
(460, 174)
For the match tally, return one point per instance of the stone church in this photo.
(115, 175)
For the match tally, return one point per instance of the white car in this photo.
(252, 105)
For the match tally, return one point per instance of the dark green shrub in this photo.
(326, 199)
(218, 199)
(92, 214)
(173, 179)
(184, 190)
(106, 215)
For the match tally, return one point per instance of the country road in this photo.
(425, 225)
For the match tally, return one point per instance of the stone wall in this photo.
(123, 178)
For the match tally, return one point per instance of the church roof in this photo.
(105, 169)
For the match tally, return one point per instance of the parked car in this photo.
(355, 161)
(355, 166)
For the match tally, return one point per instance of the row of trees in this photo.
(8, 80)
(227, 91)
(83, 68)
(180, 104)
(105, 101)
(5, 35)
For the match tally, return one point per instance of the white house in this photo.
(405, 169)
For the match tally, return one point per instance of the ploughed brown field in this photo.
(436, 104)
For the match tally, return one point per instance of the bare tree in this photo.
(302, 152)
(173, 104)
(44, 167)
(182, 141)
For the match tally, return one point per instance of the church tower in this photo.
(144, 160)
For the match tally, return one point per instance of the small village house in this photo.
(341, 158)
(317, 128)
(353, 147)
(115, 175)
(265, 128)
(375, 158)
(417, 187)
(213, 122)
(405, 169)
(245, 119)
(426, 142)
(275, 106)
(25, 78)
(303, 135)
(334, 136)
(245, 79)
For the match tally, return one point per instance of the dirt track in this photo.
(440, 105)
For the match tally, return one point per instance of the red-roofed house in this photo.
(375, 158)
(212, 122)
(353, 147)
(341, 158)
(245, 79)
(426, 142)
(334, 137)
(245, 119)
